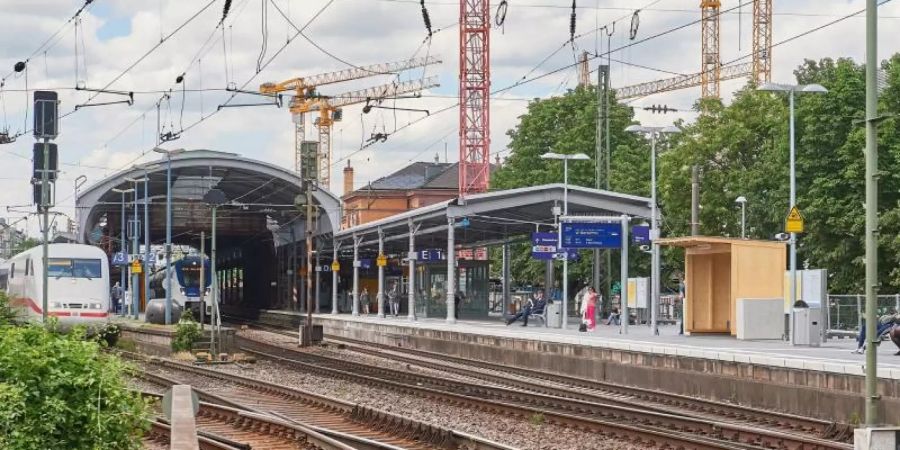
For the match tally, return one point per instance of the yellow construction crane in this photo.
(304, 89)
(712, 72)
(329, 109)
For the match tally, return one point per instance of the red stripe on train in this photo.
(25, 301)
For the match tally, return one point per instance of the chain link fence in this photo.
(845, 312)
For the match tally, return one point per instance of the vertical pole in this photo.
(309, 250)
(871, 211)
(135, 278)
(334, 278)
(565, 276)
(654, 241)
(411, 282)
(743, 220)
(793, 254)
(623, 277)
(216, 319)
(451, 272)
(168, 237)
(318, 278)
(292, 262)
(695, 200)
(123, 270)
(381, 270)
(203, 276)
(45, 209)
(608, 155)
(146, 237)
(598, 166)
(355, 275)
(506, 273)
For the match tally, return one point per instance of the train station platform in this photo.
(825, 382)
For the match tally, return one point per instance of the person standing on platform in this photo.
(394, 299)
(364, 300)
(590, 309)
(116, 296)
(457, 300)
(895, 337)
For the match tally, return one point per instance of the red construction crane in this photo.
(474, 96)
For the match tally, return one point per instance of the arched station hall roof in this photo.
(260, 199)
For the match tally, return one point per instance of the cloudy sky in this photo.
(107, 47)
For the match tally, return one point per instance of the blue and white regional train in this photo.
(185, 276)
(77, 284)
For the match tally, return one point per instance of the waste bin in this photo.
(554, 315)
(807, 326)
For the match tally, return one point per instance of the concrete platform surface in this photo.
(833, 356)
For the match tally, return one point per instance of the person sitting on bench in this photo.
(535, 307)
(885, 324)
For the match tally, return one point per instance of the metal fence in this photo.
(845, 312)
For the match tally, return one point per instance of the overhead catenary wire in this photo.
(50, 41)
(264, 28)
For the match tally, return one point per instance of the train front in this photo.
(188, 274)
(78, 285)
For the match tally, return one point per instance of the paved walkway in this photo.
(833, 356)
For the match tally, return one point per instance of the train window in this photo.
(74, 268)
(12, 270)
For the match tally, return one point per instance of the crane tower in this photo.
(474, 96)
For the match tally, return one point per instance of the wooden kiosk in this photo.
(718, 271)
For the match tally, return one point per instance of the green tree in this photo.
(567, 124)
(60, 391)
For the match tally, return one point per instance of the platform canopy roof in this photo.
(490, 218)
(260, 198)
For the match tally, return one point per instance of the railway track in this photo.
(577, 413)
(574, 387)
(599, 391)
(353, 425)
(224, 427)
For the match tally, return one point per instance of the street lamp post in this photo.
(122, 244)
(168, 287)
(790, 89)
(654, 133)
(743, 201)
(559, 248)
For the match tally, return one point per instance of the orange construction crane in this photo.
(304, 89)
(712, 72)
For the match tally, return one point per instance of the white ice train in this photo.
(77, 284)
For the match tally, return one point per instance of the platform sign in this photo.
(119, 259)
(432, 254)
(794, 222)
(640, 234)
(592, 235)
(543, 247)
(335, 266)
(381, 261)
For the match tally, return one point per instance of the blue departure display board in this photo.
(592, 235)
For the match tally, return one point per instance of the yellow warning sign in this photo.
(335, 266)
(136, 266)
(381, 261)
(794, 222)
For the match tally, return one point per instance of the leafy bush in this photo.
(6, 312)
(186, 333)
(109, 334)
(60, 391)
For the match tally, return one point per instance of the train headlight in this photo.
(96, 306)
(56, 305)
